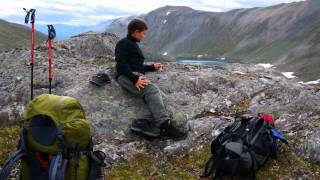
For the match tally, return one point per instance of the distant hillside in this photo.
(286, 35)
(64, 31)
(15, 35)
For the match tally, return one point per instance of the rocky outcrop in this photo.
(203, 99)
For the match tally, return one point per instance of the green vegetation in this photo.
(154, 166)
(261, 51)
(9, 137)
(308, 69)
(142, 166)
(107, 63)
(287, 166)
(226, 41)
(15, 35)
(179, 116)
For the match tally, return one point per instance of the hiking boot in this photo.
(171, 132)
(143, 126)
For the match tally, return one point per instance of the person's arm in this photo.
(121, 56)
(149, 68)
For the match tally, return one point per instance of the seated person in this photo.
(130, 69)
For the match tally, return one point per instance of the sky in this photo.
(92, 12)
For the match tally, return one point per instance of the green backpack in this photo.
(55, 142)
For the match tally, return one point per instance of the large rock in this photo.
(91, 44)
(204, 99)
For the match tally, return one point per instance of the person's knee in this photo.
(152, 88)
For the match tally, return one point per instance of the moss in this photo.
(106, 63)
(205, 114)
(249, 77)
(190, 166)
(148, 167)
(139, 167)
(99, 62)
(242, 106)
(237, 108)
(288, 165)
(275, 115)
(84, 61)
(9, 137)
(197, 158)
(179, 116)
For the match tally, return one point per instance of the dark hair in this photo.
(136, 24)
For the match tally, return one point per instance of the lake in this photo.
(202, 61)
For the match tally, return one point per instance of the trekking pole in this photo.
(51, 36)
(26, 20)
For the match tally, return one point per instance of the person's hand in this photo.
(158, 66)
(142, 82)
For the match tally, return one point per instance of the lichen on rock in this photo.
(203, 99)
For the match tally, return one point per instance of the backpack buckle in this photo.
(43, 159)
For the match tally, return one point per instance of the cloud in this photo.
(85, 12)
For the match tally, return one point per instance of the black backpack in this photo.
(242, 148)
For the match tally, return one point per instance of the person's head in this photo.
(137, 29)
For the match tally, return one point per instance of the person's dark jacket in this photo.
(130, 59)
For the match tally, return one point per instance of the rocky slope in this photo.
(215, 94)
(286, 35)
(15, 35)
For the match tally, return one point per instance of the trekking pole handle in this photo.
(32, 12)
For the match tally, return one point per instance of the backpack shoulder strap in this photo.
(218, 165)
(58, 164)
(13, 159)
(57, 167)
(261, 124)
(209, 168)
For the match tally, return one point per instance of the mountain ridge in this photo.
(286, 35)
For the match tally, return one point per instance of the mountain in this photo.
(66, 31)
(14, 35)
(286, 35)
(119, 25)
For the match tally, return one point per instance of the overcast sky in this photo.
(91, 12)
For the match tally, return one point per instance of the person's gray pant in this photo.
(152, 96)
